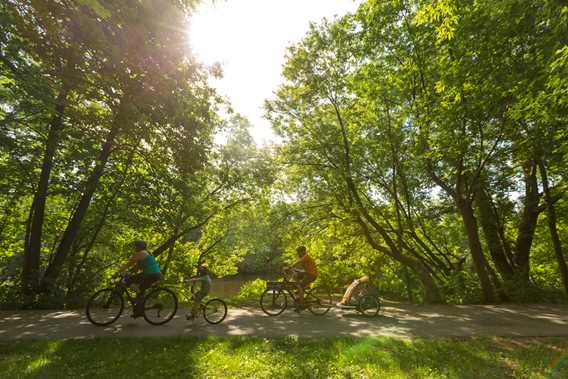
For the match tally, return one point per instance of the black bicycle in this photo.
(105, 306)
(274, 300)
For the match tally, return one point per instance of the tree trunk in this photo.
(407, 283)
(32, 250)
(170, 256)
(490, 227)
(53, 270)
(552, 226)
(479, 261)
(100, 224)
(527, 225)
(432, 293)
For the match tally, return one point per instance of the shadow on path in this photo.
(397, 320)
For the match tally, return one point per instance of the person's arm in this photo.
(196, 279)
(131, 263)
(299, 264)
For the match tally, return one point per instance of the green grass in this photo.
(246, 357)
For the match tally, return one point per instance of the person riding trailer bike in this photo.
(306, 272)
(204, 278)
(355, 289)
(145, 262)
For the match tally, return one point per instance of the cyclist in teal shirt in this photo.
(150, 274)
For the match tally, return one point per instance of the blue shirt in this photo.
(149, 265)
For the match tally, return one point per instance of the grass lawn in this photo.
(247, 357)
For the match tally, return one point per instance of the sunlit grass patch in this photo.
(289, 357)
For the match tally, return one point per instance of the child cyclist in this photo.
(204, 279)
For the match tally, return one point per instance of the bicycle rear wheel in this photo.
(369, 305)
(214, 311)
(273, 302)
(104, 307)
(160, 306)
(319, 301)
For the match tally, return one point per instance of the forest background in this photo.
(423, 143)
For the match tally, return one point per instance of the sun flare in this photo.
(249, 39)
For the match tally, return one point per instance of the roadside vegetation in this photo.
(421, 142)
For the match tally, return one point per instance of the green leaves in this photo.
(443, 14)
(97, 7)
(415, 102)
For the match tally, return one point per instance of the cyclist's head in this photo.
(301, 250)
(140, 245)
(203, 269)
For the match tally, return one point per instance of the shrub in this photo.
(251, 290)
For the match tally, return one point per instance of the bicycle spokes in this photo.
(319, 301)
(214, 311)
(273, 302)
(104, 307)
(160, 306)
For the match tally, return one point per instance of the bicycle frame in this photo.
(201, 304)
(188, 298)
(289, 288)
(125, 290)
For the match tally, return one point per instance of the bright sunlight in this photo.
(249, 39)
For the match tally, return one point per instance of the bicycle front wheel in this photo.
(104, 307)
(214, 311)
(319, 301)
(273, 302)
(160, 306)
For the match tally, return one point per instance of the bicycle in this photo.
(273, 300)
(106, 305)
(213, 310)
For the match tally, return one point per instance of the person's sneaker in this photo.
(136, 315)
(189, 316)
(344, 306)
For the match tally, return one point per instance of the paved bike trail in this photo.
(396, 320)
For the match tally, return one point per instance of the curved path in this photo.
(397, 320)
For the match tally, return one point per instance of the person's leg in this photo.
(301, 294)
(129, 281)
(134, 279)
(195, 305)
(145, 282)
(304, 282)
(300, 287)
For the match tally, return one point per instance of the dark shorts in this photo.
(145, 281)
(305, 278)
(199, 295)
